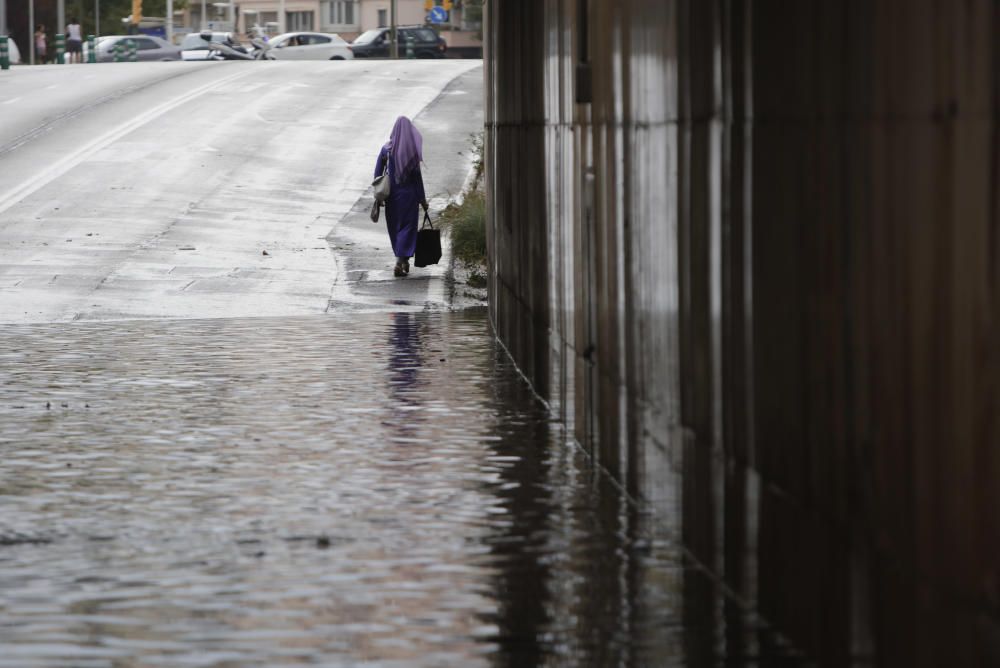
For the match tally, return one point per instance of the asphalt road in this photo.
(199, 190)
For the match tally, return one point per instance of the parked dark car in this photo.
(424, 42)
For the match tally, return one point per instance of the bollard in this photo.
(60, 48)
(4, 53)
(409, 49)
(131, 51)
(91, 49)
(119, 52)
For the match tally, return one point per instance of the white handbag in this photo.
(381, 185)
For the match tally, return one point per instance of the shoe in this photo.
(406, 267)
(398, 271)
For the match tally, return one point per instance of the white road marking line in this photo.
(11, 101)
(57, 169)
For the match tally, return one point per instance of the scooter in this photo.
(231, 50)
(261, 49)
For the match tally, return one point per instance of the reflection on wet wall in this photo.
(748, 251)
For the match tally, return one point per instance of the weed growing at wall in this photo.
(467, 224)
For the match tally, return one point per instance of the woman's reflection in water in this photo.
(405, 366)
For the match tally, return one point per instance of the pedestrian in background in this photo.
(74, 41)
(403, 154)
(41, 45)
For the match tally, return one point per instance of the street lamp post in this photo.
(3, 17)
(170, 21)
(281, 17)
(204, 23)
(394, 46)
(31, 32)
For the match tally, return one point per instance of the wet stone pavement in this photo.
(378, 489)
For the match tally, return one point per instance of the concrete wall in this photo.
(755, 271)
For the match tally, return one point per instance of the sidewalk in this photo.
(363, 252)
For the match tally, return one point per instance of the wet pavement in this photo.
(191, 190)
(381, 488)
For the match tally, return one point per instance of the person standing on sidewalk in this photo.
(41, 45)
(74, 41)
(403, 153)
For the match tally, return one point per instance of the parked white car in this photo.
(13, 52)
(308, 46)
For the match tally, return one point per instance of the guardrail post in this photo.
(60, 48)
(409, 49)
(91, 49)
(4, 53)
(119, 52)
(131, 51)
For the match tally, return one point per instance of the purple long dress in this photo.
(402, 210)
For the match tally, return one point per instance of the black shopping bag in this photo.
(428, 244)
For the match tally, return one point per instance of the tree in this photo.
(113, 11)
(473, 11)
(474, 15)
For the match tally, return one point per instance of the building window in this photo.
(267, 21)
(342, 12)
(299, 21)
(383, 18)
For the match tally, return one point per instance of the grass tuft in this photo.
(467, 222)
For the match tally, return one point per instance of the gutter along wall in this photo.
(755, 272)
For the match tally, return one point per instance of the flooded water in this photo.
(379, 489)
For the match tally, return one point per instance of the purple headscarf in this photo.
(407, 148)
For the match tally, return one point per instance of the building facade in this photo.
(348, 18)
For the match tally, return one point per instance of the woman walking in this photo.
(403, 153)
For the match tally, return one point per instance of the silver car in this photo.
(147, 47)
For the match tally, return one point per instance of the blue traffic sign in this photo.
(437, 15)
